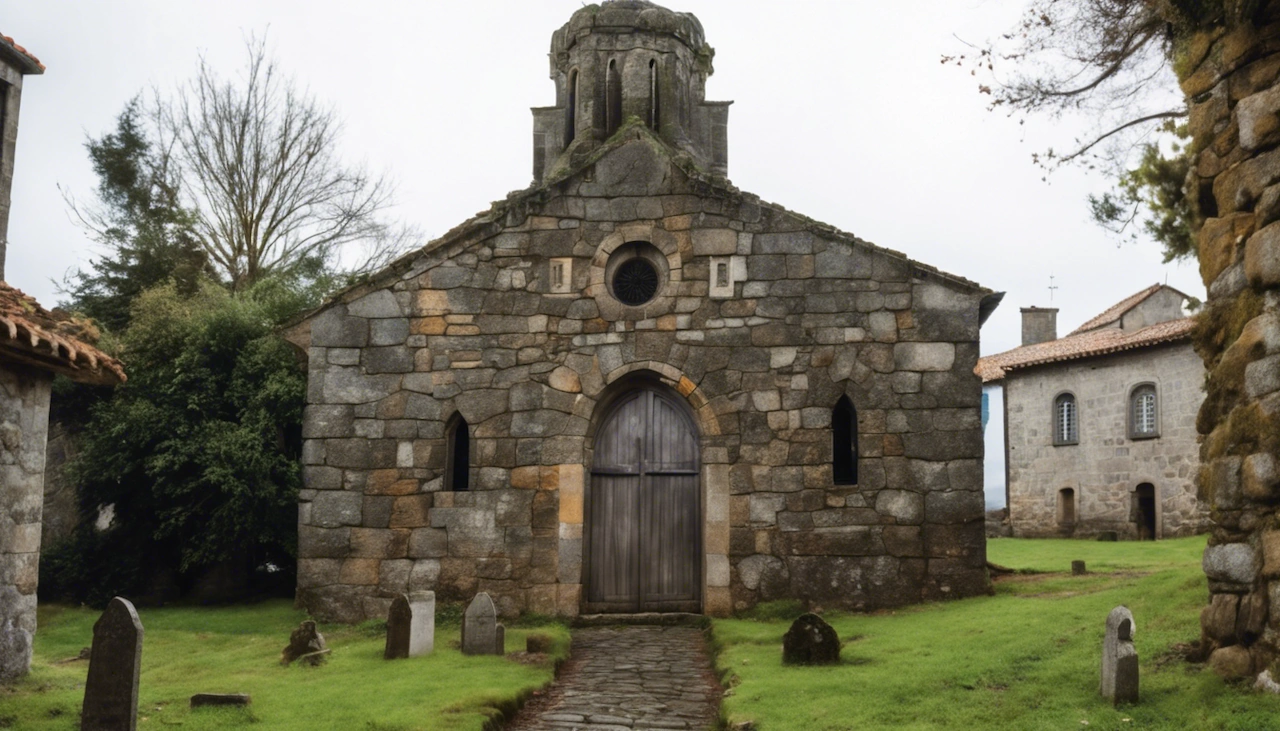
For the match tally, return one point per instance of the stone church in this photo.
(633, 387)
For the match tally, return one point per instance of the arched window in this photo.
(1144, 421)
(1067, 506)
(653, 94)
(1066, 420)
(613, 99)
(571, 109)
(458, 464)
(844, 443)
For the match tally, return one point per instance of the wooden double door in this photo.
(644, 521)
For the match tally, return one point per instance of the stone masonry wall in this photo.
(1105, 466)
(471, 326)
(24, 419)
(1230, 77)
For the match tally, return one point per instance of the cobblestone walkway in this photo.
(620, 678)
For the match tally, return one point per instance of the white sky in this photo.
(842, 112)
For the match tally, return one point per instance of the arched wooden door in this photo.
(645, 511)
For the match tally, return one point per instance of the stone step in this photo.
(661, 619)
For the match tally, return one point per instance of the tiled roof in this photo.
(1083, 345)
(35, 337)
(36, 66)
(1116, 311)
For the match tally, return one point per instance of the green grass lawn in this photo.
(237, 650)
(1026, 658)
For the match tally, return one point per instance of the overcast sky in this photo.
(841, 112)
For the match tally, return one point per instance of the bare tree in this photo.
(259, 169)
(1105, 60)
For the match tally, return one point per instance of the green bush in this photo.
(197, 452)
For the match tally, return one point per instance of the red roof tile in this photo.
(35, 62)
(1116, 311)
(1082, 345)
(33, 336)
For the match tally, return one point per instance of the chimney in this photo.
(1039, 325)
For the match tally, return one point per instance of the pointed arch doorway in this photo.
(644, 511)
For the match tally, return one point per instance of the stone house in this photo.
(35, 344)
(1100, 425)
(634, 387)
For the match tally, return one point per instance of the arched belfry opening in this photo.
(643, 532)
(612, 99)
(571, 109)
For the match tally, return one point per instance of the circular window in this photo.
(635, 282)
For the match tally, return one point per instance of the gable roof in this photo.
(29, 64)
(1115, 312)
(515, 207)
(38, 338)
(1090, 339)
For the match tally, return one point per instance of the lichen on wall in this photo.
(24, 418)
(1230, 76)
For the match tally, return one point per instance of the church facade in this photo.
(633, 387)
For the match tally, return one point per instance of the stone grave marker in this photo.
(1077, 568)
(399, 617)
(411, 625)
(810, 641)
(306, 644)
(111, 690)
(1119, 658)
(422, 626)
(481, 633)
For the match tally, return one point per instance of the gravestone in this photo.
(399, 617)
(1077, 568)
(220, 699)
(111, 690)
(481, 633)
(411, 625)
(306, 644)
(422, 627)
(1119, 658)
(810, 641)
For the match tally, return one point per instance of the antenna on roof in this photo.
(1052, 287)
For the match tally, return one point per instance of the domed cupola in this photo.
(630, 61)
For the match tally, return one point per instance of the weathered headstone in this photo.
(481, 633)
(1077, 568)
(537, 642)
(220, 699)
(1119, 658)
(422, 627)
(810, 641)
(411, 625)
(111, 690)
(306, 644)
(399, 617)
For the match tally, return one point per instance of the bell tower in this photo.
(626, 62)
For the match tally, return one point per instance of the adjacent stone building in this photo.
(634, 387)
(34, 345)
(1100, 428)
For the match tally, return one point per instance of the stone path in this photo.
(620, 678)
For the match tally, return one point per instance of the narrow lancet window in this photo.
(613, 100)
(844, 443)
(653, 94)
(458, 469)
(571, 109)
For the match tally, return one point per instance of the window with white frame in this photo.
(1144, 415)
(1066, 420)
